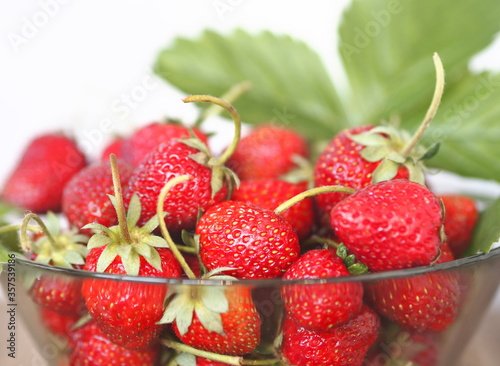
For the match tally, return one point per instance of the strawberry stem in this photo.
(310, 193)
(232, 94)
(232, 112)
(431, 112)
(181, 347)
(163, 227)
(25, 242)
(120, 207)
(14, 227)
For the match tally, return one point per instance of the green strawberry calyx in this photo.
(395, 148)
(207, 302)
(126, 239)
(63, 248)
(220, 173)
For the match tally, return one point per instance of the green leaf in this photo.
(487, 230)
(468, 126)
(290, 85)
(387, 46)
(387, 49)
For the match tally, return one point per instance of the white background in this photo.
(64, 63)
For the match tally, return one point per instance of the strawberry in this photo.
(63, 248)
(149, 137)
(93, 348)
(85, 197)
(425, 302)
(460, 219)
(209, 181)
(343, 345)
(215, 319)
(270, 193)
(169, 160)
(343, 163)
(323, 306)
(390, 225)
(251, 241)
(128, 312)
(38, 180)
(363, 155)
(115, 146)
(267, 152)
(200, 361)
(57, 323)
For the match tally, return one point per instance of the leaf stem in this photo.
(25, 243)
(163, 227)
(120, 206)
(310, 193)
(431, 112)
(232, 112)
(232, 94)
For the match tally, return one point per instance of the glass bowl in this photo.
(475, 277)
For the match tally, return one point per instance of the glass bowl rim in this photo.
(273, 282)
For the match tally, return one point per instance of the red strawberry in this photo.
(200, 361)
(460, 218)
(149, 137)
(85, 197)
(215, 319)
(390, 225)
(342, 163)
(47, 164)
(270, 193)
(254, 242)
(424, 302)
(169, 160)
(267, 152)
(323, 306)
(61, 248)
(57, 323)
(115, 146)
(128, 312)
(343, 345)
(93, 348)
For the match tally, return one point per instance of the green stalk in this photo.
(310, 193)
(25, 242)
(232, 112)
(163, 227)
(431, 112)
(120, 206)
(233, 94)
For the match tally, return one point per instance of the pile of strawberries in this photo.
(159, 204)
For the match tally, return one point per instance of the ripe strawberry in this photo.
(460, 218)
(343, 163)
(390, 225)
(169, 160)
(270, 193)
(38, 180)
(57, 323)
(343, 345)
(215, 319)
(63, 249)
(253, 242)
(424, 302)
(115, 146)
(85, 197)
(128, 312)
(93, 348)
(267, 152)
(149, 137)
(323, 306)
